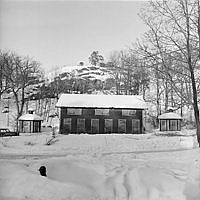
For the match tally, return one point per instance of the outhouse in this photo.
(170, 121)
(30, 123)
(89, 113)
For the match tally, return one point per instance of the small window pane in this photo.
(108, 125)
(101, 111)
(74, 111)
(128, 112)
(121, 125)
(80, 125)
(95, 125)
(67, 124)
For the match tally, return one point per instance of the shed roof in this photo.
(30, 117)
(101, 101)
(169, 115)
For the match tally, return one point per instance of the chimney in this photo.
(30, 111)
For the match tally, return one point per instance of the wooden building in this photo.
(85, 113)
(170, 122)
(30, 123)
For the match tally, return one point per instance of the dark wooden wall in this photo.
(89, 113)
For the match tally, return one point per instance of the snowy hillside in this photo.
(80, 72)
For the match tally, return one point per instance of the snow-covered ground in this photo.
(103, 167)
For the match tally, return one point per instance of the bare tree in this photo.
(114, 65)
(3, 81)
(22, 75)
(95, 58)
(174, 33)
(129, 73)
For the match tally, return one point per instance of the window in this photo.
(36, 127)
(121, 125)
(80, 125)
(136, 126)
(74, 111)
(26, 126)
(179, 125)
(95, 125)
(101, 111)
(128, 112)
(108, 125)
(163, 125)
(173, 125)
(67, 124)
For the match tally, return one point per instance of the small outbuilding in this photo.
(89, 113)
(170, 122)
(30, 123)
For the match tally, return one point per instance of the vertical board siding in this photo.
(88, 114)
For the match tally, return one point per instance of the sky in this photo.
(57, 33)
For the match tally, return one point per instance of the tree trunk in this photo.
(195, 102)
(195, 106)
(17, 105)
(22, 103)
(196, 114)
(166, 95)
(194, 89)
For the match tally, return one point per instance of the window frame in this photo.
(102, 111)
(74, 111)
(126, 112)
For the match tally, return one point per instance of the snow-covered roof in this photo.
(30, 117)
(169, 115)
(101, 101)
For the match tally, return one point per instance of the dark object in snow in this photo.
(43, 171)
(6, 132)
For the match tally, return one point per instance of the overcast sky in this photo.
(66, 32)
